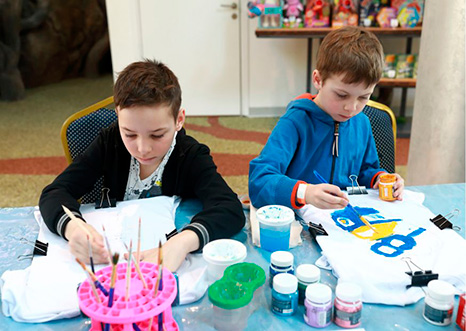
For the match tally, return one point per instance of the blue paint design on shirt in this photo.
(347, 220)
(408, 243)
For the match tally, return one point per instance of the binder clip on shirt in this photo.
(443, 222)
(40, 248)
(420, 277)
(355, 189)
(105, 201)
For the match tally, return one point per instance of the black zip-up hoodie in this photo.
(189, 173)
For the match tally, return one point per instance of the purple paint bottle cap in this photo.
(308, 273)
(282, 258)
(285, 283)
(318, 293)
(348, 292)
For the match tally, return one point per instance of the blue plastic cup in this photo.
(274, 226)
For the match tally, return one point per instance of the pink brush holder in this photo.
(141, 305)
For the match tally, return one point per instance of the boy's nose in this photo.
(350, 106)
(143, 147)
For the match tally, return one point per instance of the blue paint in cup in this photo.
(274, 227)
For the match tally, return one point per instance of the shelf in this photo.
(397, 82)
(321, 32)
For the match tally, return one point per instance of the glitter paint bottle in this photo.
(280, 262)
(318, 305)
(439, 302)
(348, 305)
(307, 274)
(285, 294)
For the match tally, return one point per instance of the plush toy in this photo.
(293, 9)
(317, 13)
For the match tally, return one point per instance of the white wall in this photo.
(125, 33)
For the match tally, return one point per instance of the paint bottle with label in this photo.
(439, 302)
(307, 274)
(285, 294)
(280, 262)
(348, 305)
(386, 187)
(318, 305)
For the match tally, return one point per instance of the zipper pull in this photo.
(335, 139)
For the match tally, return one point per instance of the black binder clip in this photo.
(105, 201)
(355, 189)
(421, 277)
(316, 230)
(442, 222)
(40, 248)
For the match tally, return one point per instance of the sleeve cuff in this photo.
(293, 200)
(201, 232)
(374, 178)
(63, 222)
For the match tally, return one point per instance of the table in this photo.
(440, 199)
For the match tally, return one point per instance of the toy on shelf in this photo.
(409, 8)
(405, 66)
(317, 14)
(408, 17)
(389, 70)
(135, 310)
(387, 18)
(345, 13)
(293, 10)
(268, 11)
(368, 10)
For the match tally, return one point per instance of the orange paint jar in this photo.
(386, 187)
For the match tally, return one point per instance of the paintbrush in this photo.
(128, 270)
(90, 279)
(138, 270)
(138, 256)
(108, 245)
(115, 258)
(158, 283)
(160, 317)
(93, 276)
(79, 222)
(319, 177)
(91, 259)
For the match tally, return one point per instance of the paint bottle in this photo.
(439, 302)
(280, 262)
(348, 305)
(285, 294)
(318, 305)
(307, 274)
(386, 187)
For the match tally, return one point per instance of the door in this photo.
(200, 41)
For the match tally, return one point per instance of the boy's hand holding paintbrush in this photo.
(77, 233)
(325, 196)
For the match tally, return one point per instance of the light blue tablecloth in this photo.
(18, 223)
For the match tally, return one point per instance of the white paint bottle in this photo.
(439, 302)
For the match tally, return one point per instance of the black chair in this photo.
(383, 125)
(78, 132)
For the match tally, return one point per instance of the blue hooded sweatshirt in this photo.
(305, 139)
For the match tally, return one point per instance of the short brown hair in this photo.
(352, 51)
(145, 83)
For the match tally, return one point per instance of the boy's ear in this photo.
(180, 119)
(317, 79)
(117, 109)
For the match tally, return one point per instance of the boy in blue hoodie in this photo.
(327, 132)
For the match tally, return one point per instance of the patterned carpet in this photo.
(31, 154)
